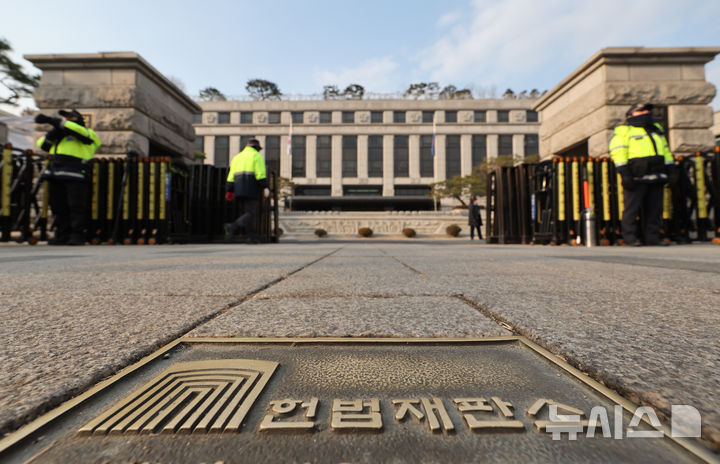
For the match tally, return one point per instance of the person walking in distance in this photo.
(475, 219)
(245, 182)
(71, 146)
(642, 157)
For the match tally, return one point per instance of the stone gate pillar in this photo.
(582, 110)
(124, 99)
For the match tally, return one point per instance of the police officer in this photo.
(246, 179)
(642, 157)
(71, 146)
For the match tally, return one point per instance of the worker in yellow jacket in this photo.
(246, 179)
(71, 146)
(642, 157)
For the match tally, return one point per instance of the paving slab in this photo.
(364, 273)
(644, 329)
(642, 320)
(428, 316)
(74, 316)
(55, 346)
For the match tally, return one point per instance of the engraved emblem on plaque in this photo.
(189, 397)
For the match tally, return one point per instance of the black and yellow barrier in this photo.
(131, 200)
(543, 203)
(22, 196)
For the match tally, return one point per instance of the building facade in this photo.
(368, 154)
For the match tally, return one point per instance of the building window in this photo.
(531, 116)
(480, 116)
(503, 115)
(223, 117)
(398, 116)
(452, 156)
(222, 151)
(427, 116)
(401, 156)
(197, 118)
(297, 117)
(274, 117)
(427, 160)
(505, 145)
(349, 156)
(375, 156)
(451, 116)
(199, 144)
(531, 145)
(376, 117)
(324, 156)
(246, 117)
(297, 150)
(272, 154)
(325, 117)
(479, 150)
(348, 117)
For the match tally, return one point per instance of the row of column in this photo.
(388, 179)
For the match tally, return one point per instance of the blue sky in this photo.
(485, 45)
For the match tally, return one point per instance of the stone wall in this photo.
(591, 101)
(127, 101)
(346, 223)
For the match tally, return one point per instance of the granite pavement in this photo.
(645, 321)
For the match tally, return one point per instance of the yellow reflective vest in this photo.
(633, 150)
(247, 176)
(78, 141)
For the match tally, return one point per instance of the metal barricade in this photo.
(129, 201)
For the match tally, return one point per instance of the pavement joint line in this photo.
(164, 342)
(554, 355)
(209, 295)
(348, 295)
(255, 292)
(409, 267)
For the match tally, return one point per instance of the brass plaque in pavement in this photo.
(240, 400)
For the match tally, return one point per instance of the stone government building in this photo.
(376, 154)
(368, 154)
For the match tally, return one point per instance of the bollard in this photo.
(588, 221)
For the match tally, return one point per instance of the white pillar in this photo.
(336, 178)
(465, 154)
(519, 146)
(234, 145)
(210, 149)
(362, 156)
(440, 172)
(414, 155)
(311, 156)
(492, 146)
(388, 166)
